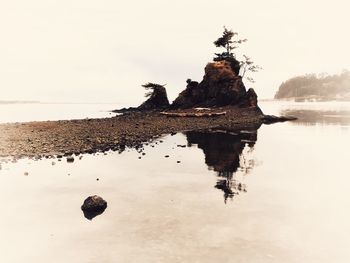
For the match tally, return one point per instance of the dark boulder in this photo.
(93, 206)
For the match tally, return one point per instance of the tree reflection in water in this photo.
(229, 154)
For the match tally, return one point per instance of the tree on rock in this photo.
(228, 42)
(157, 97)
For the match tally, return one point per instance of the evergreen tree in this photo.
(230, 43)
(152, 88)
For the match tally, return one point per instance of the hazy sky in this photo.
(102, 51)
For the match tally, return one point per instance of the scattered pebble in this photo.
(70, 159)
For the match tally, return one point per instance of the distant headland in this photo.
(314, 87)
(18, 101)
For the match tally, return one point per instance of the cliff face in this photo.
(220, 86)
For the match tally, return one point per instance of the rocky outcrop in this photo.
(158, 98)
(250, 99)
(269, 119)
(221, 86)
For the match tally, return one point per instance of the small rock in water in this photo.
(178, 161)
(93, 206)
(166, 156)
(97, 179)
(26, 173)
(70, 159)
(53, 163)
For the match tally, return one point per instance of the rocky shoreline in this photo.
(51, 139)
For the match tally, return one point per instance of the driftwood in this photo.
(193, 114)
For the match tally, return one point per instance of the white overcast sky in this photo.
(102, 51)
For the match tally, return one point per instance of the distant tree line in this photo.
(320, 86)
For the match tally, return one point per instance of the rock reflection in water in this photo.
(227, 153)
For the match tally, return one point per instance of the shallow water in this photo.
(25, 112)
(280, 194)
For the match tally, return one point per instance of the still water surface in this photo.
(278, 194)
(24, 112)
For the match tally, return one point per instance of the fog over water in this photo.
(102, 51)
